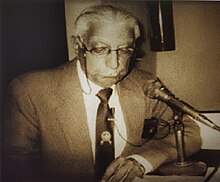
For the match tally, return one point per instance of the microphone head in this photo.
(150, 88)
(154, 89)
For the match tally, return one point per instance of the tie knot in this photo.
(104, 94)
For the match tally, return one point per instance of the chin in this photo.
(108, 82)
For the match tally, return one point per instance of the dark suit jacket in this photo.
(46, 129)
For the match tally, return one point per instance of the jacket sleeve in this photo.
(160, 151)
(21, 134)
(156, 151)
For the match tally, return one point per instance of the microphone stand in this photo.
(181, 166)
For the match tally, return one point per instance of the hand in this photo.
(123, 169)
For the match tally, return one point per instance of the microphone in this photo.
(156, 90)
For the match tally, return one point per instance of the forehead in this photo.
(111, 33)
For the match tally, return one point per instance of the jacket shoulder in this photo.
(40, 79)
(136, 80)
(141, 75)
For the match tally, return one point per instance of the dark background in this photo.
(33, 36)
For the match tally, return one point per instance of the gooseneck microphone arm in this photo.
(155, 89)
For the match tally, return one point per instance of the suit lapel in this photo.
(74, 121)
(133, 106)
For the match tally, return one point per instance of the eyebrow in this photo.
(123, 45)
(94, 43)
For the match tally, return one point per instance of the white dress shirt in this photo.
(91, 102)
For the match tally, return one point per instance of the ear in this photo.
(78, 47)
(76, 44)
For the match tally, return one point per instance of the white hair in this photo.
(101, 14)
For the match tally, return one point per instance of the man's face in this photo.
(108, 68)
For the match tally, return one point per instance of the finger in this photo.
(134, 170)
(111, 169)
(125, 176)
(120, 175)
(122, 172)
(138, 169)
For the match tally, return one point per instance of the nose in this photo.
(112, 61)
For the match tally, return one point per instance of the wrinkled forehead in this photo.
(110, 32)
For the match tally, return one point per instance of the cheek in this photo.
(99, 66)
(94, 65)
(124, 65)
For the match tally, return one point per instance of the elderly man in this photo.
(84, 120)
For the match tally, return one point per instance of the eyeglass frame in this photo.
(108, 52)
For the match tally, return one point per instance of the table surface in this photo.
(155, 178)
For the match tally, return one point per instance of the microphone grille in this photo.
(150, 88)
(156, 90)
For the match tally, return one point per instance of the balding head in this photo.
(104, 14)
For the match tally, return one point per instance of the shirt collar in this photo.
(87, 85)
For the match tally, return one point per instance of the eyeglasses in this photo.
(105, 51)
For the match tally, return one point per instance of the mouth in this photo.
(112, 76)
